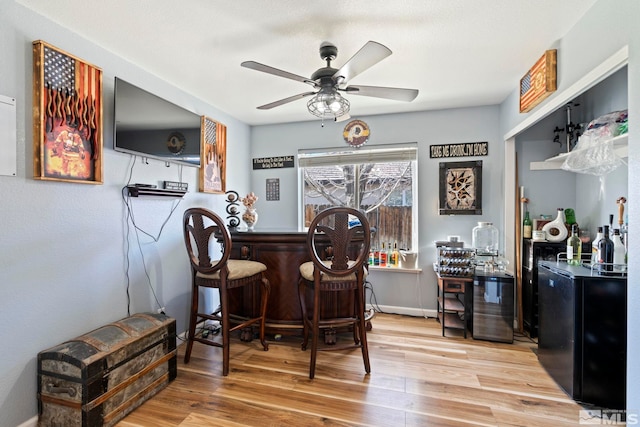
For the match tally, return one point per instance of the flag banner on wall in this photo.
(539, 82)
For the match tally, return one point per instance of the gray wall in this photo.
(395, 291)
(63, 247)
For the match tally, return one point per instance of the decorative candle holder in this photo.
(233, 209)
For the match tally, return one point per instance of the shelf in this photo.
(451, 304)
(135, 191)
(451, 321)
(620, 147)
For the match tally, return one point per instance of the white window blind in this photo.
(350, 156)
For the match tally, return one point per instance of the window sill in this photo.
(395, 269)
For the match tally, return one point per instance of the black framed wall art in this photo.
(461, 188)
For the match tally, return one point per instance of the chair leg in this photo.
(266, 290)
(363, 330)
(315, 330)
(193, 317)
(303, 307)
(224, 303)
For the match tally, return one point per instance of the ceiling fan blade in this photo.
(396, 93)
(276, 72)
(370, 54)
(285, 101)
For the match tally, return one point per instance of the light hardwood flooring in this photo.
(418, 378)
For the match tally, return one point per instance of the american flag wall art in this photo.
(539, 82)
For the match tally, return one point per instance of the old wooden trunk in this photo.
(98, 378)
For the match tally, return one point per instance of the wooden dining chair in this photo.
(203, 228)
(341, 275)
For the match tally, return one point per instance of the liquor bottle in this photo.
(383, 257)
(395, 256)
(605, 252)
(594, 246)
(376, 257)
(619, 253)
(574, 247)
(527, 226)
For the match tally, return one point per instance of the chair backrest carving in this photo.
(199, 226)
(349, 234)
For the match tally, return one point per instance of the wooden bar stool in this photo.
(218, 271)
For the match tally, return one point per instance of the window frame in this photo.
(348, 155)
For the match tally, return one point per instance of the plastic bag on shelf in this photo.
(594, 153)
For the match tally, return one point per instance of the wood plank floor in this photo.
(418, 378)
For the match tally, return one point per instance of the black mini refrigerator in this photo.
(493, 306)
(583, 333)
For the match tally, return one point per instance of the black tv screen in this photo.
(151, 127)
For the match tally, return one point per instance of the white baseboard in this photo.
(31, 422)
(408, 311)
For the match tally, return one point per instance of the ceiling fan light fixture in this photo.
(328, 105)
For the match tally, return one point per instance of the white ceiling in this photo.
(456, 52)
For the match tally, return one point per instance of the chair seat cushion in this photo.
(238, 269)
(306, 271)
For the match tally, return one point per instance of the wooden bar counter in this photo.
(282, 252)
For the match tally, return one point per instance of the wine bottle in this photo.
(527, 226)
(574, 247)
(605, 253)
(619, 253)
(594, 246)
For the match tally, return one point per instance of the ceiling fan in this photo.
(328, 82)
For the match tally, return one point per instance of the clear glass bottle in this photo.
(594, 246)
(619, 253)
(383, 256)
(574, 247)
(527, 226)
(395, 256)
(485, 238)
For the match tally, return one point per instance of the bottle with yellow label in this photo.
(395, 256)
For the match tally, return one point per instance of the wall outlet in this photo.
(160, 310)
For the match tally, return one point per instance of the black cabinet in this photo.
(583, 333)
(533, 252)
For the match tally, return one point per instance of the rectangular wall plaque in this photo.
(465, 149)
(273, 162)
(8, 141)
(273, 189)
(539, 82)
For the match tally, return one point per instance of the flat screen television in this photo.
(152, 127)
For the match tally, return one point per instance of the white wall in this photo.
(62, 271)
(409, 291)
(605, 29)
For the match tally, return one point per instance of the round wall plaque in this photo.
(176, 142)
(356, 133)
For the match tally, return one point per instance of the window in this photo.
(380, 181)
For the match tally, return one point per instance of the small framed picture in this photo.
(213, 156)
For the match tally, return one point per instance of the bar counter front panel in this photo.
(282, 252)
